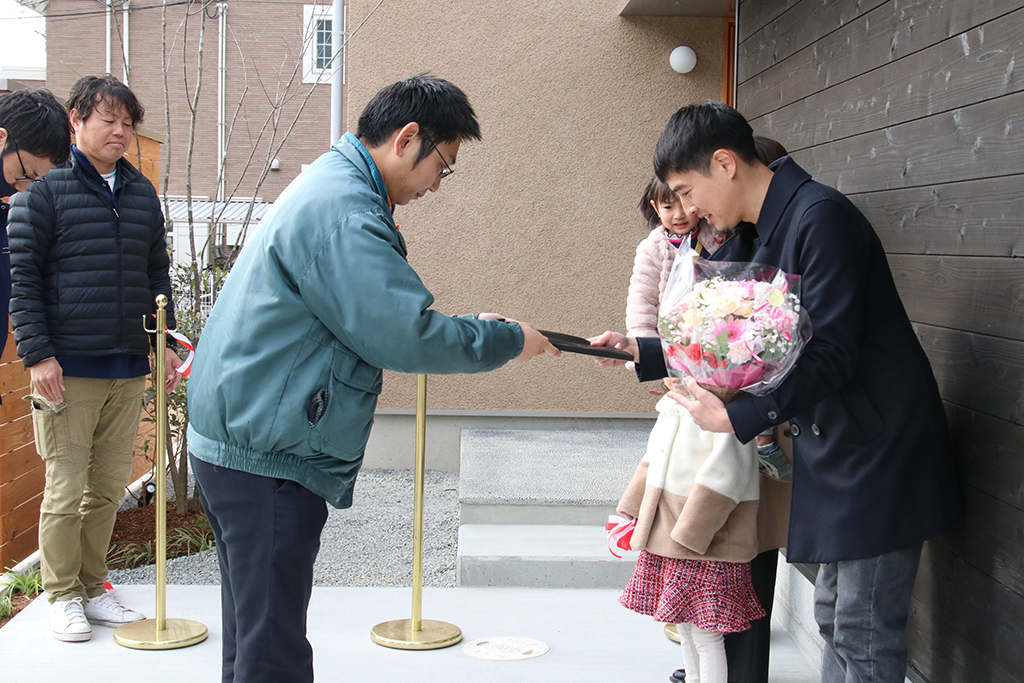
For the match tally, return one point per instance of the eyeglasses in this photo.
(447, 170)
(24, 173)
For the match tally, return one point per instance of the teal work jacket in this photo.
(288, 368)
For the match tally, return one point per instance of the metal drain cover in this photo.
(505, 648)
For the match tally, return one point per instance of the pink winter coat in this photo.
(654, 256)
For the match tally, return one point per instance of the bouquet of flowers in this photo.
(731, 326)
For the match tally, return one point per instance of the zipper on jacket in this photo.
(120, 277)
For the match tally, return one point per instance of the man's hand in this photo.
(48, 380)
(618, 341)
(171, 363)
(534, 343)
(707, 410)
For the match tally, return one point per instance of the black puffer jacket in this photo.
(84, 273)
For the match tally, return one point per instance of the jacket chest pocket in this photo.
(340, 411)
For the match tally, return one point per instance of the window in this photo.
(318, 43)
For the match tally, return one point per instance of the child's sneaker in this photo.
(771, 462)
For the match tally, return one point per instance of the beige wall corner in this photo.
(539, 223)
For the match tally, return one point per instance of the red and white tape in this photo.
(185, 367)
(620, 532)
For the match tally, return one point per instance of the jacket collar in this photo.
(787, 180)
(353, 150)
(350, 146)
(125, 171)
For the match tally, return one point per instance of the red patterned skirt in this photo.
(715, 596)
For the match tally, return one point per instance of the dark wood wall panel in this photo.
(948, 654)
(975, 371)
(980, 141)
(990, 539)
(975, 294)
(915, 110)
(971, 218)
(976, 65)
(887, 34)
(950, 636)
(802, 25)
(754, 14)
(989, 454)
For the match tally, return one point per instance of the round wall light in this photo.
(683, 59)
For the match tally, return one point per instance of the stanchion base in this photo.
(433, 635)
(671, 632)
(142, 635)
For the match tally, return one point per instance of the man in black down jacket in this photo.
(88, 258)
(34, 136)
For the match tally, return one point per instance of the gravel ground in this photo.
(369, 544)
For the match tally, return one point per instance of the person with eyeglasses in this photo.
(288, 370)
(88, 260)
(34, 136)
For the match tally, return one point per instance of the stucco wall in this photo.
(539, 222)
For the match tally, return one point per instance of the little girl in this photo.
(694, 497)
(671, 224)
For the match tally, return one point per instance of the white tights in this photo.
(703, 655)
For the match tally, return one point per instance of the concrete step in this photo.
(540, 556)
(510, 476)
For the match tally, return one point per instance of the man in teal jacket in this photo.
(288, 369)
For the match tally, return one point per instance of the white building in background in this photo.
(233, 222)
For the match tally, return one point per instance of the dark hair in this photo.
(440, 108)
(90, 91)
(695, 132)
(37, 123)
(768, 150)
(657, 192)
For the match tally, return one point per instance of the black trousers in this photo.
(747, 651)
(268, 536)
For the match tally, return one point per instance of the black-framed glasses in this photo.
(447, 170)
(24, 173)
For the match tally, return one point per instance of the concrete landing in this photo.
(591, 637)
(540, 556)
(545, 476)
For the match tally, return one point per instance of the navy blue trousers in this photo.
(268, 536)
(747, 651)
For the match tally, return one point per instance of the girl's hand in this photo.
(618, 341)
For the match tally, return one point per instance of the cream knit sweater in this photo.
(695, 493)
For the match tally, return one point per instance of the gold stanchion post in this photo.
(160, 633)
(417, 633)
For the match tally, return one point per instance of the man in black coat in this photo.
(88, 258)
(873, 470)
(34, 136)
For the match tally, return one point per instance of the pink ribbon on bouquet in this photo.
(185, 367)
(620, 532)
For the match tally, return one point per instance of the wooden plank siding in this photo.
(21, 470)
(915, 110)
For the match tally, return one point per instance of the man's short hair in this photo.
(695, 132)
(440, 108)
(90, 91)
(37, 123)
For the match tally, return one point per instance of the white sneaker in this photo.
(68, 622)
(106, 611)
